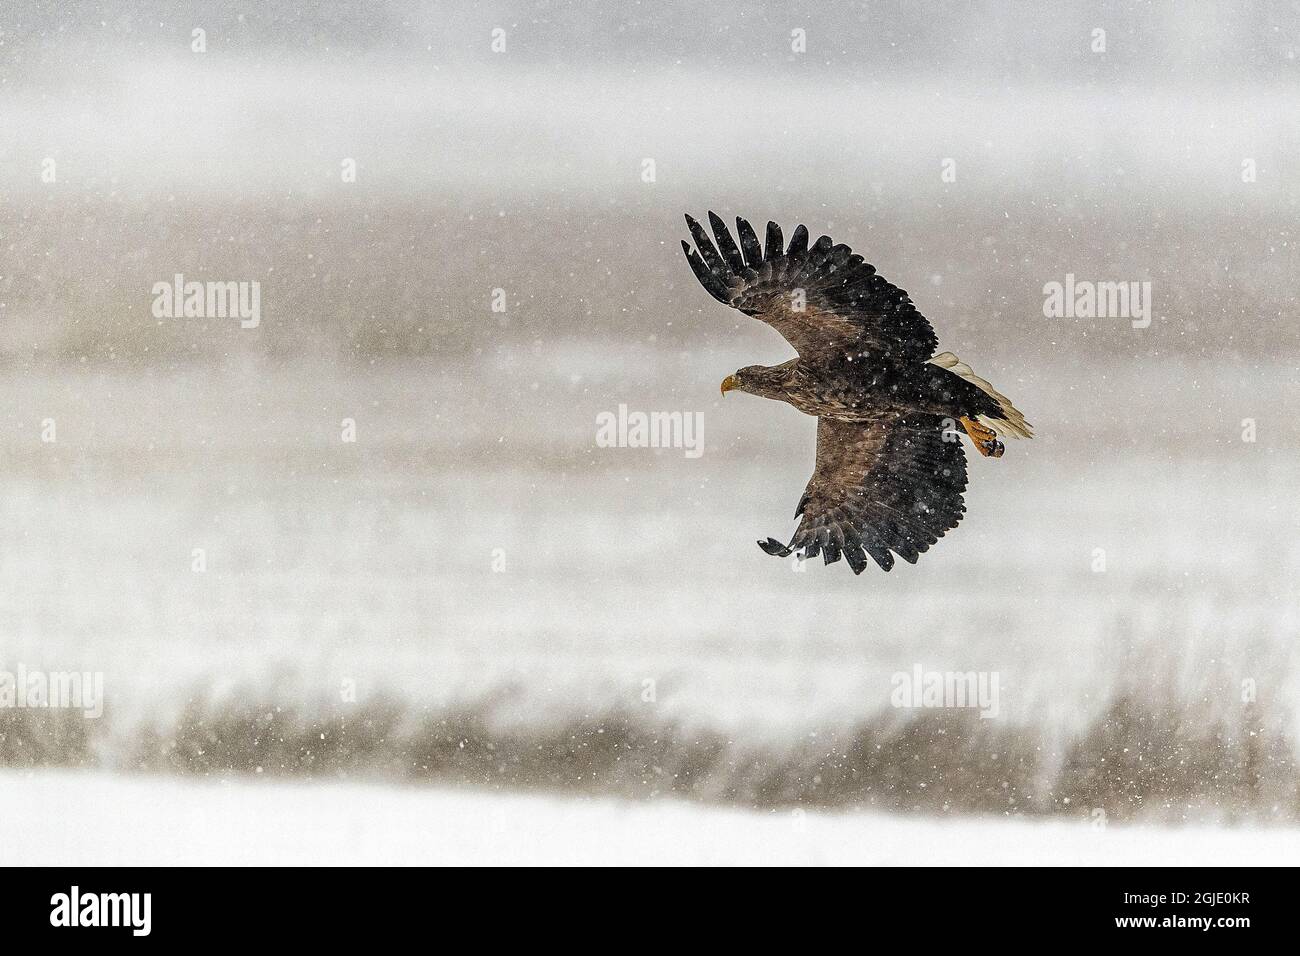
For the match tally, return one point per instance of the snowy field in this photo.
(446, 600)
(361, 582)
(67, 819)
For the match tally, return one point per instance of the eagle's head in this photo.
(760, 380)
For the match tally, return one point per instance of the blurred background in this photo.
(465, 224)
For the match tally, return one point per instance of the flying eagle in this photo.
(890, 469)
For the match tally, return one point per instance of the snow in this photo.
(476, 593)
(63, 818)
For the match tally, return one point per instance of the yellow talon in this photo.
(985, 439)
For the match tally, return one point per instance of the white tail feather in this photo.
(1011, 424)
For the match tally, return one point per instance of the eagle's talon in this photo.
(983, 438)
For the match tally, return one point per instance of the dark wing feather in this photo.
(712, 282)
(726, 245)
(749, 244)
(890, 485)
(798, 243)
(775, 242)
(847, 308)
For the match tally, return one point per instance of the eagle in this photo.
(890, 469)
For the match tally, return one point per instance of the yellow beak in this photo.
(729, 383)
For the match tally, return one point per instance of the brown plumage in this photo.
(890, 469)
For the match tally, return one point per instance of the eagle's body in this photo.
(858, 389)
(890, 468)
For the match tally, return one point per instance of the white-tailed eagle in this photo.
(890, 469)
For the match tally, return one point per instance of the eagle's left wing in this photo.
(824, 300)
(893, 484)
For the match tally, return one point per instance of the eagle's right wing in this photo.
(893, 484)
(823, 299)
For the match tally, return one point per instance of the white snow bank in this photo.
(71, 818)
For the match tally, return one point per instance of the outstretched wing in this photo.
(823, 299)
(894, 484)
